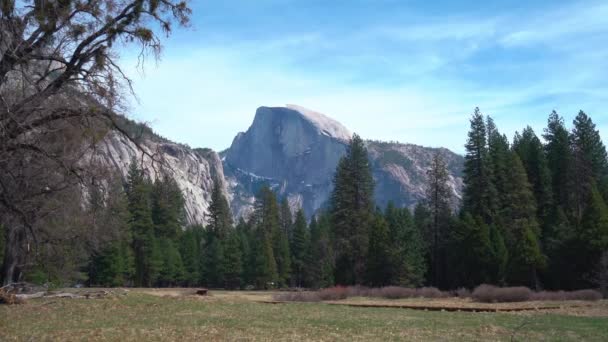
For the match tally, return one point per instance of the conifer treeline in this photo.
(532, 214)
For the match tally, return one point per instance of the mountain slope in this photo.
(292, 149)
(296, 151)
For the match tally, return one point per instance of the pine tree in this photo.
(220, 216)
(265, 266)
(352, 212)
(407, 250)
(268, 241)
(213, 261)
(589, 142)
(590, 165)
(480, 196)
(522, 229)
(300, 247)
(246, 237)
(286, 220)
(322, 255)
(172, 271)
(168, 213)
(500, 256)
(142, 227)
(438, 200)
(379, 259)
(113, 265)
(472, 253)
(233, 261)
(498, 161)
(559, 159)
(591, 239)
(190, 251)
(531, 152)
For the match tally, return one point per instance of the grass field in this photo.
(155, 315)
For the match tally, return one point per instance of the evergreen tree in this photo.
(379, 259)
(247, 240)
(286, 220)
(352, 212)
(473, 252)
(213, 261)
(479, 197)
(531, 152)
(141, 225)
(498, 161)
(265, 266)
(268, 242)
(300, 248)
(559, 159)
(588, 140)
(233, 261)
(114, 265)
(220, 216)
(172, 271)
(190, 251)
(591, 239)
(522, 229)
(408, 249)
(500, 256)
(322, 255)
(590, 165)
(438, 199)
(168, 213)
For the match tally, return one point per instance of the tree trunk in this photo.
(13, 255)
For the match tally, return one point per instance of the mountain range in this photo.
(292, 149)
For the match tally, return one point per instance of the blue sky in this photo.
(411, 71)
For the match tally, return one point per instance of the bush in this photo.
(492, 294)
(303, 296)
(483, 293)
(359, 291)
(333, 293)
(431, 292)
(590, 295)
(462, 293)
(396, 292)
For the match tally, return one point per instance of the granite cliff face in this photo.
(296, 152)
(192, 169)
(293, 150)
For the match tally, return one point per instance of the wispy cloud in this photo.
(415, 80)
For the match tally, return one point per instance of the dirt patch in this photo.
(578, 308)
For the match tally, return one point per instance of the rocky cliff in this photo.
(193, 169)
(296, 152)
(293, 150)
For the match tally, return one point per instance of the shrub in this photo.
(590, 295)
(492, 294)
(396, 292)
(333, 293)
(431, 292)
(303, 296)
(359, 291)
(462, 293)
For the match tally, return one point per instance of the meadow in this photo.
(178, 314)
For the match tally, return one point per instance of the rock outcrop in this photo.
(293, 150)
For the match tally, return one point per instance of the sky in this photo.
(409, 71)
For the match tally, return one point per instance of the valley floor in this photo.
(177, 314)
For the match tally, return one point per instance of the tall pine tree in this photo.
(300, 250)
(352, 213)
(480, 196)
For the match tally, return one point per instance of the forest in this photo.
(533, 214)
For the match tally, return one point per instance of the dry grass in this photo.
(174, 314)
